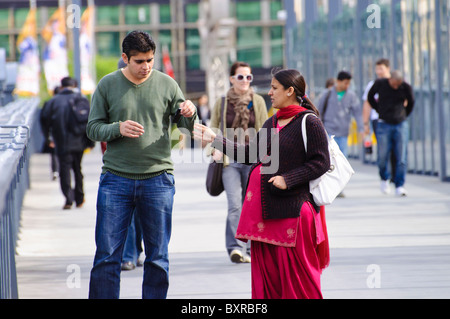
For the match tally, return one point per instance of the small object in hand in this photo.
(177, 116)
(368, 146)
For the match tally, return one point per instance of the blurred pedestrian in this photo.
(57, 117)
(330, 83)
(286, 229)
(243, 110)
(337, 108)
(131, 110)
(370, 116)
(204, 113)
(49, 144)
(394, 104)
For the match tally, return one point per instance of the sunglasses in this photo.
(241, 77)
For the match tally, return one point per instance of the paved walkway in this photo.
(381, 246)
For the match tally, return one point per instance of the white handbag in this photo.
(326, 188)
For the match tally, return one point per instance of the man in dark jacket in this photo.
(395, 103)
(69, 146)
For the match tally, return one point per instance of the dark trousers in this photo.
(71, 162)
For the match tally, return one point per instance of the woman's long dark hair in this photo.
(293, 78)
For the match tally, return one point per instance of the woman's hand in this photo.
(203, 133)
(278, 182)
(217, 155)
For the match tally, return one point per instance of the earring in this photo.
(289, 94)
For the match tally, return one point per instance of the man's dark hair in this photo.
(384, 62)
(69, 82)
(137, 42)
(344, 75)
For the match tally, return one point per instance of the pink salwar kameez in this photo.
(288, 255)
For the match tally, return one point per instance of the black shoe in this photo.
(81, 204)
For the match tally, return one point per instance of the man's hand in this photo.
(131, 129)
(203, 133)
(187, 109)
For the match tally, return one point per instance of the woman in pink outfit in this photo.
(287, 229)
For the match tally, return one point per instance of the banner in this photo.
(27, 83)
(87, 53)
(55, 54)
(167, 64)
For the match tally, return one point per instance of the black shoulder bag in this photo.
(214, 184)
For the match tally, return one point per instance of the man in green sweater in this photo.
(131, 111)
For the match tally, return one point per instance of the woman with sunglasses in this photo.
(243, 111)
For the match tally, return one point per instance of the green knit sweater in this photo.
(151, 104)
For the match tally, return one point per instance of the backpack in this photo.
(78, 115)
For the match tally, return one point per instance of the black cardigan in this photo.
(294, 164)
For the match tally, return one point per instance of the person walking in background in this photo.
(370, 116)
(243, 109)
(69, 141)
(286, 229)
(204, 113)
(131, 111)
(49, 144)
(330, 83)
(394, 104)
(337, 108)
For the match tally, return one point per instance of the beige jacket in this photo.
(261, 116)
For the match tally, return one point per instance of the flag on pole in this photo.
(55, 54)
(87, 51)
(167, 64)
(27, 83)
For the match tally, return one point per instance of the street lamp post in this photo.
(76, 44)
(217, 31)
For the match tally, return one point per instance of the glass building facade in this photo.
(172, 23)
(333, 35)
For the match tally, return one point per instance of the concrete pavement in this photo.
(381, 246)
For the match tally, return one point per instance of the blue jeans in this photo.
(393, 138)
(130, 252)
(234, 177)
(342, 142)
(117, 198)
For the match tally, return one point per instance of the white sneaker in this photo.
(236, 256)
(401, 192)
(385, 187)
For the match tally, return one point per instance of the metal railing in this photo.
(20, 137)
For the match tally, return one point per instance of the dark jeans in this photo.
(393, 138)
(152, 200)
(68, 162)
